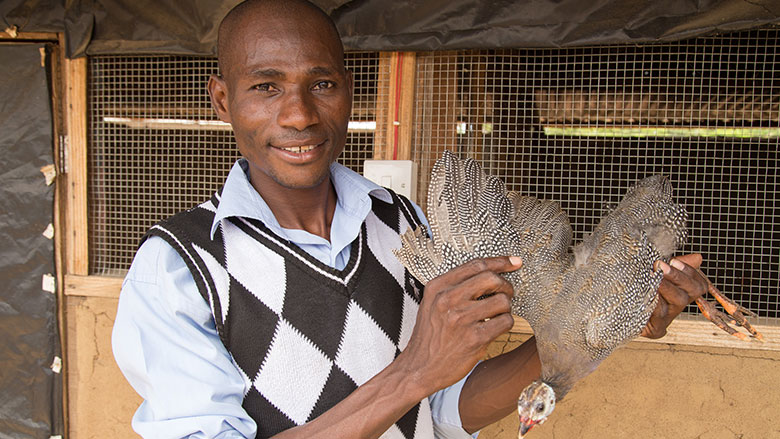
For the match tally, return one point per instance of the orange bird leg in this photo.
(735, 316)
(717, 317)
(735, 310)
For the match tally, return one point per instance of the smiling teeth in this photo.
(300, 149)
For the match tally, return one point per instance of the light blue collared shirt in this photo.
(165, 342)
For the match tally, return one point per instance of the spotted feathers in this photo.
(582, 301)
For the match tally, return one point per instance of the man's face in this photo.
(288, 97)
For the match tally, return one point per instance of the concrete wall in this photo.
(642, 391)
(100, 402)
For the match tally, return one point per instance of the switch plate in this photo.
(398, 175)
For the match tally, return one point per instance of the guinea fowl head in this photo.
(535, 404)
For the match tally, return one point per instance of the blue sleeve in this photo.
(165, 343)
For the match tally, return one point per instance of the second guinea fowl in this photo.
(582, 302)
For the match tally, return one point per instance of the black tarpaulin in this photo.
(171, 26)
(30, 400)
(434, 25)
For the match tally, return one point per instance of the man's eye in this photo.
(264, 87)
(324, 85)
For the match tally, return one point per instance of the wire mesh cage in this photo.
(574, 125)
(156, 146)
(580, 125)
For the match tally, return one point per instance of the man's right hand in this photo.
(453, 328)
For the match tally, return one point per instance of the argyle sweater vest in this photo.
(302, 334)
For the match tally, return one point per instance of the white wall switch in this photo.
(398, 175)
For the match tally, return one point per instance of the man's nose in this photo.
(298, 110)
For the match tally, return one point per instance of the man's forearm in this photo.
(491, 391)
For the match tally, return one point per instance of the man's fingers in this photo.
(502, 264)
(496, 326)
(693, 259)
(481, 284)
(681, 283)
(489, 307)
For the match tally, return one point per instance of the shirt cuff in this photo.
(445, 412)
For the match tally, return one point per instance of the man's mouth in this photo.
(300, 149)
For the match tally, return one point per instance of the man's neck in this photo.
(309, 209)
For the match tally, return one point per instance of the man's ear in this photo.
(218, 94)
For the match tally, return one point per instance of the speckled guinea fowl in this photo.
(581, 302)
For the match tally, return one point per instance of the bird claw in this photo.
(734, 315)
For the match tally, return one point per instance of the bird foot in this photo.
(734, 315)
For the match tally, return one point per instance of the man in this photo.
(309, 327)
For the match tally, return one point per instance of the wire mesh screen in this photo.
(156, 146)
(580, 125)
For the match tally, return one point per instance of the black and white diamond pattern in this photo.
(293, 374)
(303, 334)
(244, 259)
(357, 358)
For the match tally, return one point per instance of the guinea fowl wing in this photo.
(473, 216)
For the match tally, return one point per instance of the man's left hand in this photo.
(682, 284)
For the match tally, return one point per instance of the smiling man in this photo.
(277, 307)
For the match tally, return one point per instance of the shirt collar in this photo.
(240, 199)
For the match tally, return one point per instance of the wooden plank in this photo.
(58, 220)
(11, 34)
(395, 106)
(684, 331)
(407, 82)
(77, 244)
(382, 147)
(392, 106)
(93, 286)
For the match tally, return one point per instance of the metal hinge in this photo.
(63, 154)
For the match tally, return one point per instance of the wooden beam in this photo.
(93, 286)
(407, 80)
(57, 85)
(12, 34)
(382, 110)
(395, 106)
(684, 331)
(77, 244)
(681, 332)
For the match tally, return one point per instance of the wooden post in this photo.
(59, 216)
(395, 109)
(75, 115)
(382, 110)
(407, 81)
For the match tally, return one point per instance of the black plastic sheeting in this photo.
(30, 392)
(99, 27)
